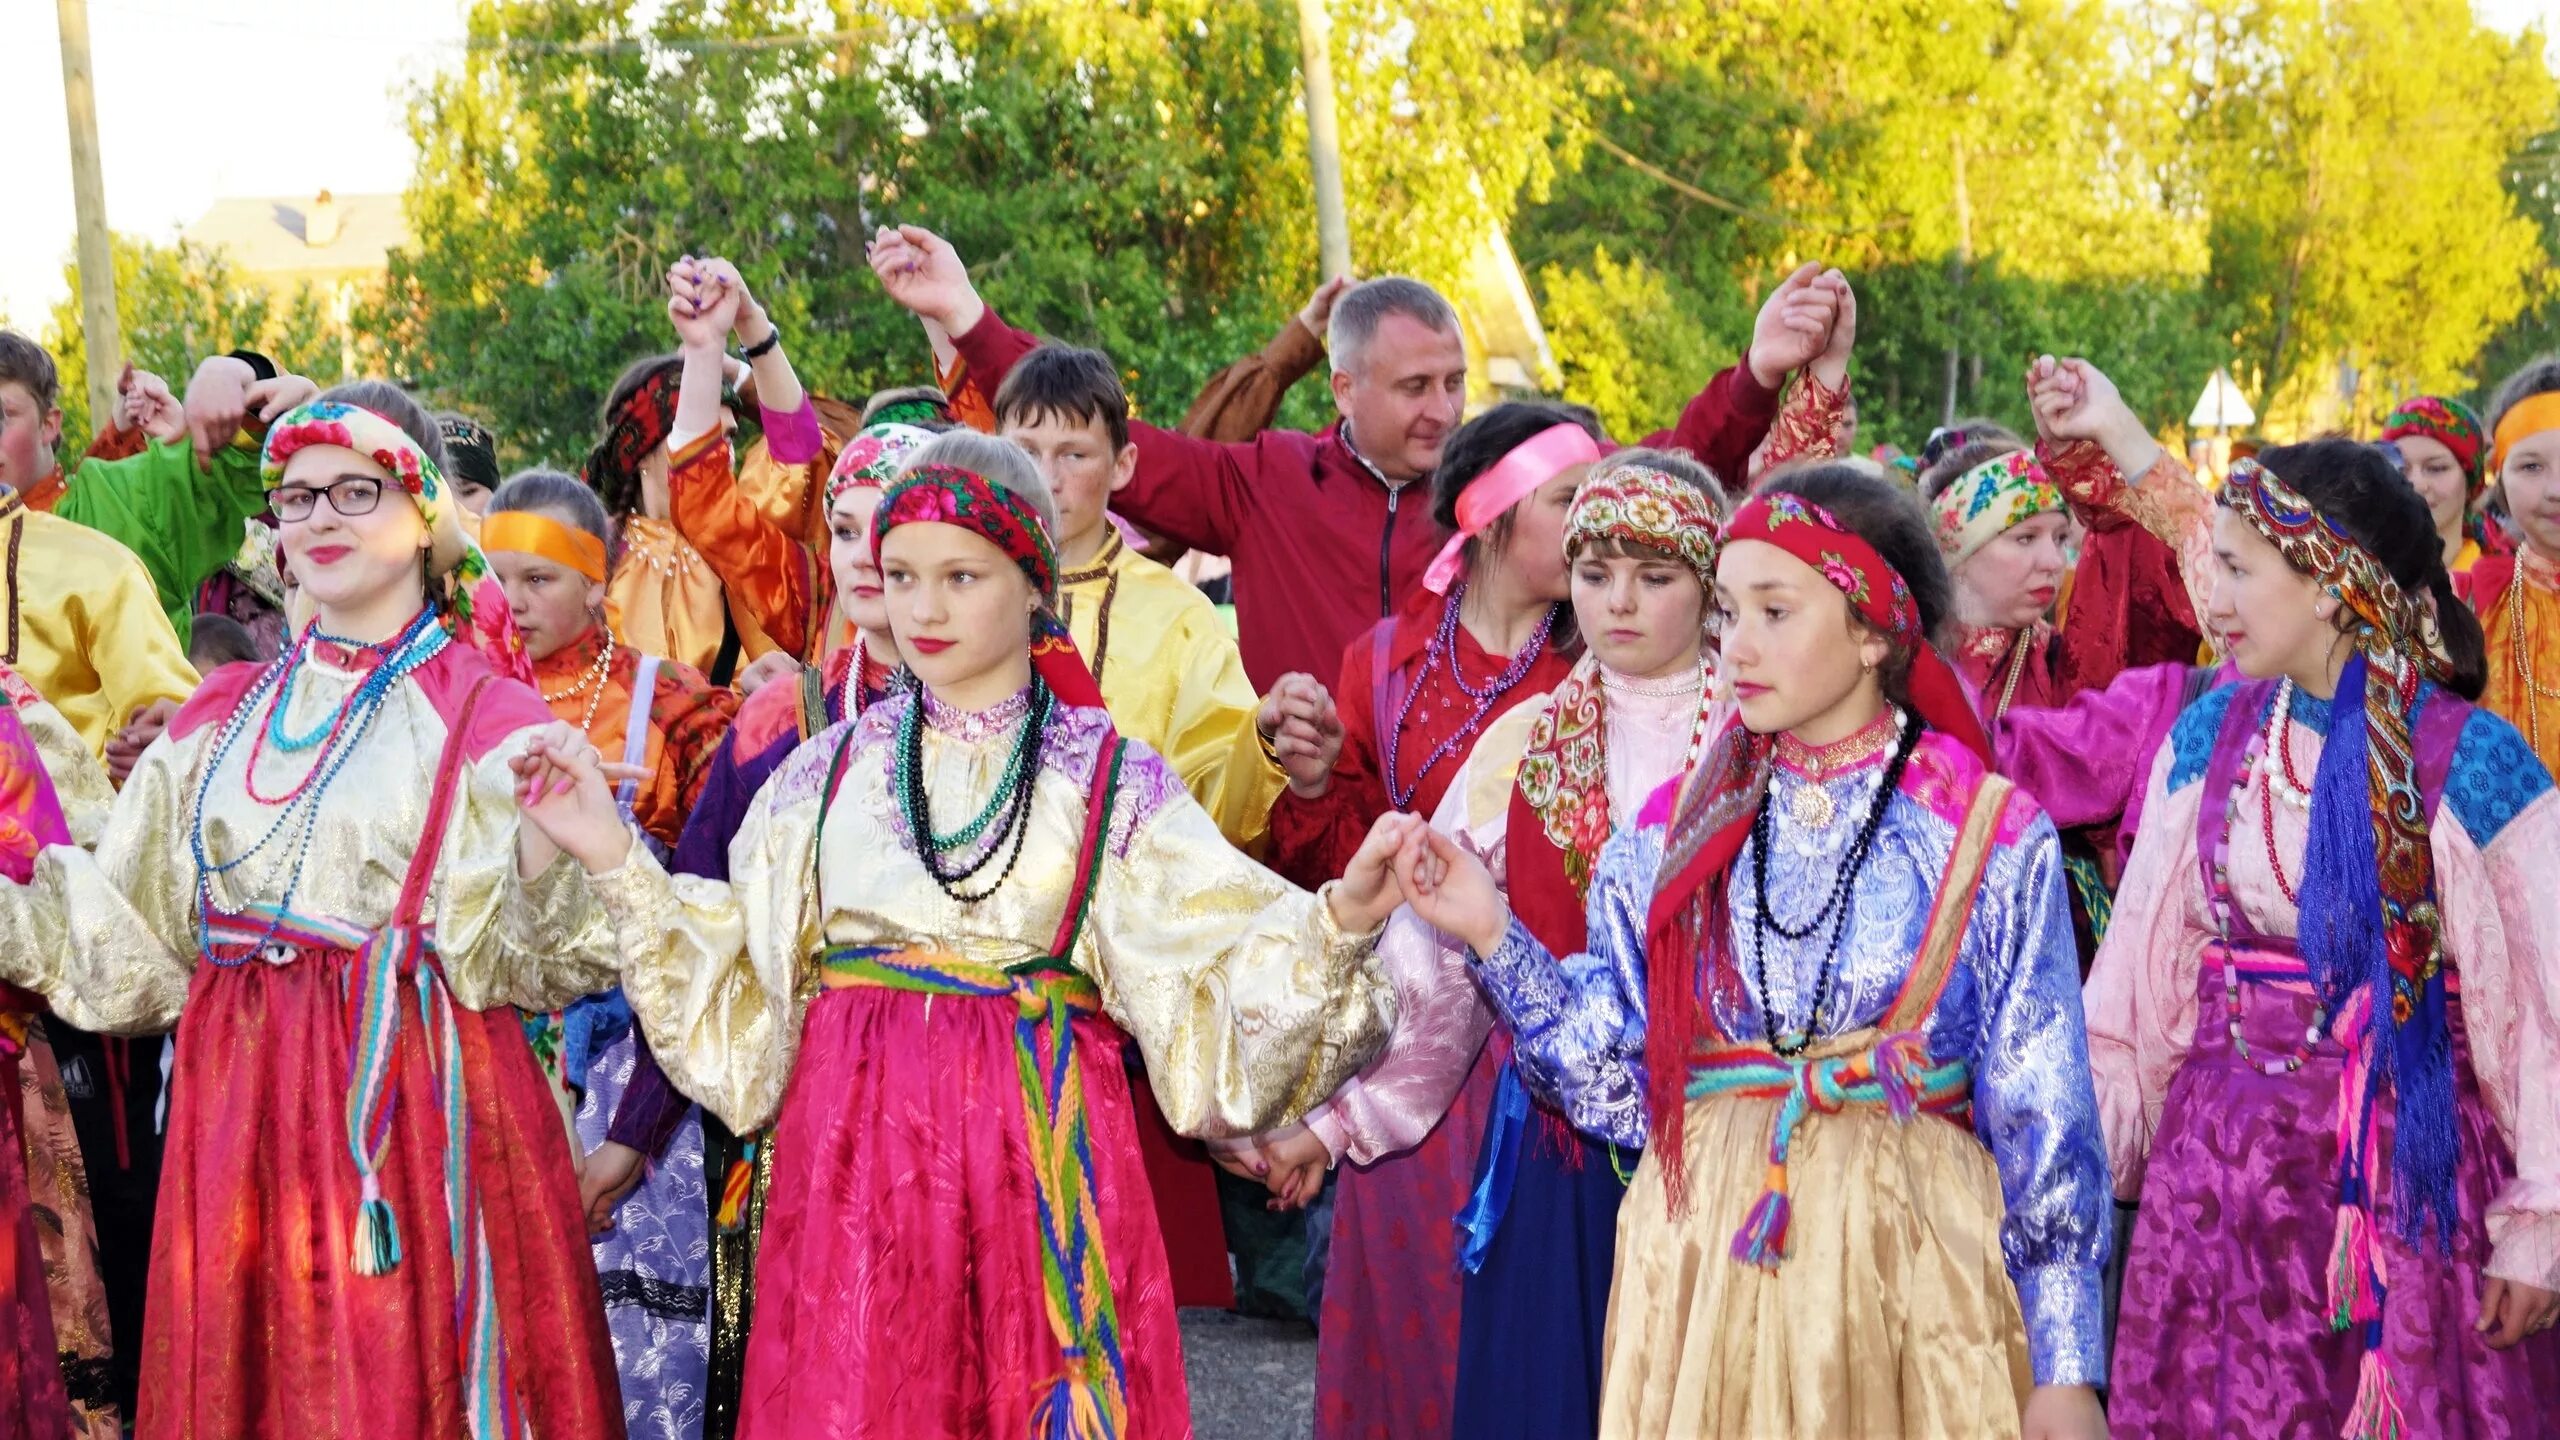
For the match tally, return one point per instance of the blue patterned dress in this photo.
(1933, 1271)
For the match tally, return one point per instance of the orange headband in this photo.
(527, 533)
(2529, 416)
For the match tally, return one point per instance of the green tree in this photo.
(1626, 349)
(178, 303)
(2351, 154)
(1954, 158)
(1129, 175)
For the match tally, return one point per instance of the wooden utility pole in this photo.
(1324, 152)
(98, 329)
(1963, 273)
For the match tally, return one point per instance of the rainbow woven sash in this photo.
(380, 965)
(1894, 1074)
(1088, 1398)
(370, 989)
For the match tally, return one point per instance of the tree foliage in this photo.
(1127, 175)
(178, 303)
(2284, 186)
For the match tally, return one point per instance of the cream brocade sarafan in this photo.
(110, 939)
(1248, 1002)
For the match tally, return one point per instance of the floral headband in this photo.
(872, 458)
(1639, 505)
(1809, 533)
(1981, 504)
(2449, 423)
(351, 427)
(2314, 545)
(949, 495)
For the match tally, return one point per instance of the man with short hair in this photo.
(1327, 532)
(79, 618)
(1167, 666)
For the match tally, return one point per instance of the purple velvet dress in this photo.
(2224, 1326)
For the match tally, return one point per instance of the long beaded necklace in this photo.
(1444, 642)
(1012, 800)
(1835, 909)
(300, 807)
(2219, 898)
(2271, 758)
(2534, 692)
(593, 678)
(405, 652)
(2018, 650)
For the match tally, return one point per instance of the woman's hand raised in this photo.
(565, 790)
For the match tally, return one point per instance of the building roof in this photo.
(266, 234)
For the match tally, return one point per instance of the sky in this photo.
(199, 99)
(187, 111)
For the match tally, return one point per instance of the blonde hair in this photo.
(1000, 463)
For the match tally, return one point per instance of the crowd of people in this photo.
(1701, 934)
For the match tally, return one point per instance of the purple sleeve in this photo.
(651, 1109)
(727, 791)
(2086, 761)
(793, 439)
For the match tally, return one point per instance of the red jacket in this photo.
(1323, 547)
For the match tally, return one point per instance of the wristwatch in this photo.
(763, 347)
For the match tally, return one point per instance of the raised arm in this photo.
(1732, 415)
(2146, 572)
(1197, 493)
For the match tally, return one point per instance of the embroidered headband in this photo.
(1809, 533)
(639, 424)
(872, 458)
(529, 533)
(1981, 504)
(475, 612)
(351, 427)
(1531, 463)
(2313, 545)
(472, 449)
(2449, 423)
(949, 495)
(2529, 416)
(1639, 505)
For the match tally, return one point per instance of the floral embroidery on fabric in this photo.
(1637, 505)
(871, 459)
(1985, 501)
(949, 495)
(1564, 770)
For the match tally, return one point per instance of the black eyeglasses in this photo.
(355, 495)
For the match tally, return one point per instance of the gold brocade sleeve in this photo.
(535, 944)
(1248, 1001)
(107, 936)
(713, 970)
(80, 783)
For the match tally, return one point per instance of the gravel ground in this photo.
(1250, 1379)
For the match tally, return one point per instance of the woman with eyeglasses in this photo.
(369, 1224)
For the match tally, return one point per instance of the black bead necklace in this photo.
(1834, 911)
(1010, 829)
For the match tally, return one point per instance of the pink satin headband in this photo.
(1513, 478)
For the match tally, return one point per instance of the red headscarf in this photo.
(949, 495)
(1713, 816)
